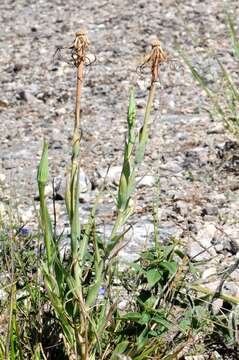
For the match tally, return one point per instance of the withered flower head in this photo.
(156, 57)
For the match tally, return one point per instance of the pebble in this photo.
(2, 178)
(145, 181)
(112, 175)
(201, 248)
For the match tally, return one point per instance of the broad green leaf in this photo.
(120, 349)
(167, 250)
(170, 266)
(162, 321)
(142, 339)
(153, 276)
(145, 318)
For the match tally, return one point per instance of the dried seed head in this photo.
(156, 43)
(78, 50)
(82, 32)
(81, 40)
(156, 57)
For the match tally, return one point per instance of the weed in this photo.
(223, 94)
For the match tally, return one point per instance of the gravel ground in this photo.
(193, 156)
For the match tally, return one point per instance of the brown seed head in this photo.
(156, 57)
(79, 47)
(81, 32)
(156, 43)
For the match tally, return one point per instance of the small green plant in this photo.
(74, 288)
(223, 93)
(24, 322)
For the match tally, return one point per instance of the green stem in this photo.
(45, 220)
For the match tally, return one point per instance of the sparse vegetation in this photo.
(69, 306)
(223, 92)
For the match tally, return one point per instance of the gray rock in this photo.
(171, 166)
(146, 181)
(85, 184)
(2, 178)
(111, 176)
(201, 247)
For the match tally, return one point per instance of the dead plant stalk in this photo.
(79, 49)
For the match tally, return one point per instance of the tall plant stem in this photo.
(78, 96)
(80, 46)
(149, 103)
(74, 218)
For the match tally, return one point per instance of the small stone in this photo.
(216, 306)
(3, 295)
(201, 248)
(146, 181)
(231, 288)
(61, 111)
(171, 166)
(210, 210)
(2, 178)
(21, 95)
(182, 208)
(27, 215)
(2, 211)
(219, 247)
(3, 104)
(216, 129)
(209, 272)
(111, 177)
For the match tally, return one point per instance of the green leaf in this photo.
(167, 250)
(185, 325)
(162, 321)
(131, 109)
(153, 276)
(170, 266)
(134, 316)
(142, 339)
(233, 35)
(42, 173)
(120, 349)
(145, 318)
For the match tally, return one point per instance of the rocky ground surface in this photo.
(190, 160)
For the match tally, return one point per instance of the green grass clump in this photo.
(223, 93)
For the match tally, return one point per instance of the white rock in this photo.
(171, 166)
(230, 288)
(209, 272)
(216, 306)
(3, 295)
(201, 247)
(112, 176)
(122, 305)
(2, 211)
(2, 178)
(146, 181)
(27, 215)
